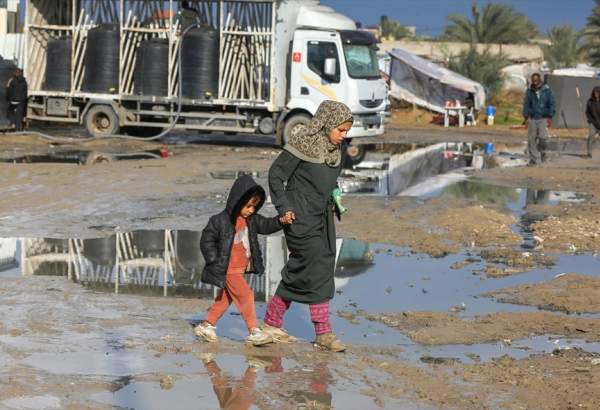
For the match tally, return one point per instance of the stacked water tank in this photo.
(102, 60)
(200, 63)
(6, 70)
(152, 68)
(58, 65)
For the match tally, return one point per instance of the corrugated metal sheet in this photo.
(12, 48)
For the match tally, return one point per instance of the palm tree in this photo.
(392, 29)
(484, 67)
(592, 35)
(563, 50)
(496, 24)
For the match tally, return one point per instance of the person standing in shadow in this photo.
(16, 96)
(592, 113)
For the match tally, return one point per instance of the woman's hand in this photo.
(288, 218)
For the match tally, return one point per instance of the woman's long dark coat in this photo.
(305, 188)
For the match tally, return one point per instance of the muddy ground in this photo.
(63, 346)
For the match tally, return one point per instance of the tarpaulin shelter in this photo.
(570, 105)
(421, 82)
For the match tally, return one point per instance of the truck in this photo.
(276, 61)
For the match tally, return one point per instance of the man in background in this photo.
(16, 95)
(538, 110)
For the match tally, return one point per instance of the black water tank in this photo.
(6, 70)
(152, 67)
(102, 60)
(101, 251)
(188, 250)
(200, 63)
(58, 65)
(149, 243)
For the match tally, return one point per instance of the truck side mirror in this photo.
(330, 67)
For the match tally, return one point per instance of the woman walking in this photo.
(301, 181)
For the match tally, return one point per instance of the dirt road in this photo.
(445, 315)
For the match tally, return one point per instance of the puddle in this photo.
(517, 200)
(84, 157)
(232, 175)
(169, 263)
(391, 168)
(234, 381)
(369, 277)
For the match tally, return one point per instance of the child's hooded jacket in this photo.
(218, 235)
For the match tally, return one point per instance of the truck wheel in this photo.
(292, 123)
(94, 158)
(101, 121)
(355, 154)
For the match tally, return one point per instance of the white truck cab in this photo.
(332, 60)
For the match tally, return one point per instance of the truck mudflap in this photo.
(367, 125)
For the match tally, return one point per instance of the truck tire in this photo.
(94, 158)
(355, 154)
(101, 121)
(293, 122)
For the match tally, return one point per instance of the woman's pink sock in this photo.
(319, 314)
(275, 311)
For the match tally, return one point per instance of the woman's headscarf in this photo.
(311, 142)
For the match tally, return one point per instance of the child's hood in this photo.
(242, 190)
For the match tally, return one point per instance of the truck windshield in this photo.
(361, 61)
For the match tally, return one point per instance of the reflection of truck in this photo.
(277, 60)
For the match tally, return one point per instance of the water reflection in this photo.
(8, 254)
(311, 385)
(389, 171)
(154, 262)
(232, 394)
(481, 192)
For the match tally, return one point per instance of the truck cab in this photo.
(332, 60)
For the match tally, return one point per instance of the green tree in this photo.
(563, 50)
(592, 35)
(496, 23)
(484, 68)
(393, 30)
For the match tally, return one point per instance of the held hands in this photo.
(288, 218)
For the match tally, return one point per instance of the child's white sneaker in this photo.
(278, 334)
(258, 338)
(206, 331)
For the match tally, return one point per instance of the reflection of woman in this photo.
(301, 181)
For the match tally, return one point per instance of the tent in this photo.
(570, 107)
(429, 85)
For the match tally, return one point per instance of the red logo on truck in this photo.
(297, 57)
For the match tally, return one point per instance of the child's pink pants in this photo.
(319, 314)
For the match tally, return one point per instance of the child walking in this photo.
(229, 244)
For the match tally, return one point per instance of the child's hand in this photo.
(288, 218)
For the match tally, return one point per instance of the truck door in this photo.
(310, 82)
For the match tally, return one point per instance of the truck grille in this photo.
(371, 103)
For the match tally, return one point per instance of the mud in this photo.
(372, 224)
(438, 328)
(97, 350)
(512, 261)
(567, 293)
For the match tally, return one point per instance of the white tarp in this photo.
(11, 48)
(429, 85)
(581, 70)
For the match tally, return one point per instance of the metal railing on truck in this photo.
(246, 52)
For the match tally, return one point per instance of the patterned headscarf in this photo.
(311, 142)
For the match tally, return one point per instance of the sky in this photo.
(430, 16)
